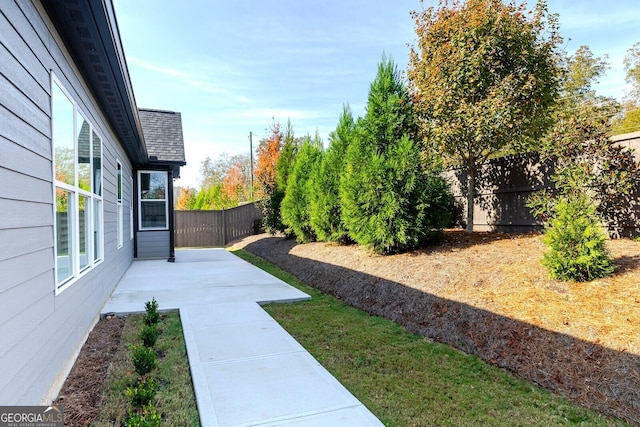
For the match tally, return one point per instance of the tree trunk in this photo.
(471, 190)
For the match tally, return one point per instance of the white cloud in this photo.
(199, 82)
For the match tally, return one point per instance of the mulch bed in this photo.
(82, 390)
(488, 295)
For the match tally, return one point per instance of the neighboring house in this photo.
(87, 184)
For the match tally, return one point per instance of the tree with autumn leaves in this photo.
(269, 194)
(225, 184)
(484, 75)
(630, 120)
(236, 183)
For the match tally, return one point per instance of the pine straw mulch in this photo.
(81, 392)
(489, 295)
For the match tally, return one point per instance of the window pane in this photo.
(97, 229)
(154, 214)
(62, 127)
(84, 219)
(120, 224)
(64, 243)
(119, 230)
(84, 153)
(153, 185)
(97, 164)
(131, 208)
(119, 183)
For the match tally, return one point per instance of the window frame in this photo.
(141, 201)
(119, 207)
(130, 207)
(93, 202)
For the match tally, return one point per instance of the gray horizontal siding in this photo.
(22, 159)
(16, 130)
(21, 74)
(153, 244)
(15, 30)
(31, 189)
(39, 367)
(23, 107)
(23, 213)
(21, 241)
(42, 331)
(23, 267)
(17, 322)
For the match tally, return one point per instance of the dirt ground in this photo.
(81, 392)
(488, 295)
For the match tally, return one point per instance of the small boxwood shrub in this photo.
(148, 417)
(149, 335)
(143, 393)
(144, 358)
(152, 317)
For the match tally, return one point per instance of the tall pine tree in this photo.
(325, 213)
(296, 203)
(390, 200)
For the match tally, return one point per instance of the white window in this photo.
(120, 231)
(77, 151)
(153, 210)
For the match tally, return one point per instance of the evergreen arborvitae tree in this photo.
(296, 204)
(287, 156)
(283, 170)
(390, 114)
(325, 213)
(576, 242)
(390, 200)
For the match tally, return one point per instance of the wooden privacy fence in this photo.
(215, 228)
(503, 186)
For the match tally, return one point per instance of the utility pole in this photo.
(251, 164)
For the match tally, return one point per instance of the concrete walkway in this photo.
(246, 369)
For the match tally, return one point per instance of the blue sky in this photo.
(231, 66)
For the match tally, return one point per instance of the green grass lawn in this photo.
(175, 398)
(407, 380)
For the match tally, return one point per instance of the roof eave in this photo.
(90, 31)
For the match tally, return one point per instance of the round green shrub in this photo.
(149, 335)
(144, 359)
(147, 417)
(143, 393)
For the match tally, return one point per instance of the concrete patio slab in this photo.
(246, 369)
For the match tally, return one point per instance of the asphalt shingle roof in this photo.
(162, 134)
